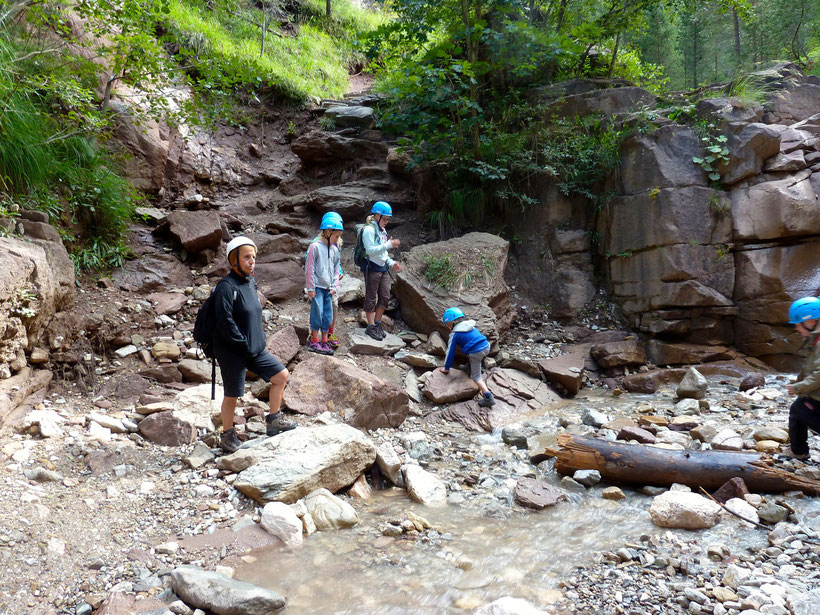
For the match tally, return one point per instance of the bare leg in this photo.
(228, 411)
(277, 390)
(482, 386)
(371, 317)
(378, 314)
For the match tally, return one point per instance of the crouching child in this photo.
(469, 340)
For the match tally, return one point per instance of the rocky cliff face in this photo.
(686, 260)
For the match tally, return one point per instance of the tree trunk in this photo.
(561, 11)
(694, 59)
(328, 8)
(614, 56)
(737, 34)
(647, 465)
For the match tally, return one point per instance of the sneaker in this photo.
(317, 347)
(788, 453)
(276, 424)
(332, 340)
(229, 443)
(373, 331)
(381, 332)
(327, 348)
(486, 400)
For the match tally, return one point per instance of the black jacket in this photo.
(238, 316)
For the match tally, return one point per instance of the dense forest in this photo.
(458, 77)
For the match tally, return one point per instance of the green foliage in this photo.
(441, 271)
(717, 154)
(579, 153)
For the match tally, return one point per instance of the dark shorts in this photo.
(233, 368)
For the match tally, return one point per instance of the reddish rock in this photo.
(196, 230)
(284, 344)
(163, 374)
(636, 433)
(322, 383)
(649, 382)
(733, 488)
(167, 430)
(566, 370)
(167, 303)
(280, 281)
(455, 386)
(751, 381)
(153, 272)
(533, 493)
(617, 354)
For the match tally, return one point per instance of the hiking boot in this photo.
(318, 347)
(373, 331)
(229, 443)
(276, 424)
(381, 331)
(332, 340)
(788, 453)
(487, 400)
(326, 348)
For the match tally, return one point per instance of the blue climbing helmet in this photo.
(807, 308)
(451, 314)
(333, 221)
(382, 208)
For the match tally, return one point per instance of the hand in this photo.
(332, 291)
(397, 267)
(790, 389)
(443, 371)
(395, 242)
(311, 294)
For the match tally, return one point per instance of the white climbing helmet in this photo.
(238, 242)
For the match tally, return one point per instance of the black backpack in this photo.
(205, 331)
(359, 253)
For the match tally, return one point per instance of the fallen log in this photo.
(639, 464)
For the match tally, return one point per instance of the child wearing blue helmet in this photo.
(376, 267)
(804, 413)
(465, 337)
(321, 279)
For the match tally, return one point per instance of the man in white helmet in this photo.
(239, 343)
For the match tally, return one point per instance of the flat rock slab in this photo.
(533, 493)
(361, 343)
(167, 303)
(196, 230)
(441, 388)
(566, 370)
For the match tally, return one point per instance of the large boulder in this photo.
(660, 158)
(681, 275)
(153, 272)
(345, 116)
(351, 200)
(35, 282)
(221, 594)
(321, 383)
(454, 386)
(517, 395)
(320, 147)
(776, 209)
(281, 280)
(672, 216)
(749, 146)
(293, 464)
(608, 102)
(196, 230)
(476, 262)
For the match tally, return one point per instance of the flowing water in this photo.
(478, 553)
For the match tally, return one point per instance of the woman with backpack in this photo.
(375, 265)
(239, 343)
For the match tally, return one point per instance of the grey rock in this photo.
(221, 594)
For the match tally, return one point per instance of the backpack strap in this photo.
(213, 379)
